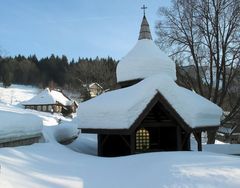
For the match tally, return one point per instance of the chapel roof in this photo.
(144, 59)
(123, 106)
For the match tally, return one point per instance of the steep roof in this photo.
(145, 32)
(145, 59)
(123, 106)
(49, 97)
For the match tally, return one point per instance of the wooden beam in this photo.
(100, 152)
(198, 137)
(105, 131)
(207, 128)
(101, 141)
(159, 124)
(186, 139)
(126, 142)
(179, 138)
(133, 142)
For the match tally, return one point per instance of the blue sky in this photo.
(76, 28)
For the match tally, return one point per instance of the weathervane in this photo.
(144, 8)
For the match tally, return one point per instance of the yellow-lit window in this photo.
(142, 139)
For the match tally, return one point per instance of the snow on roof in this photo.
(95, 84)
(144, 60)
(120, 108)
(17, 123)
(49, 97)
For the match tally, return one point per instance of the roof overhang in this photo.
(157, 98)
(129, 82)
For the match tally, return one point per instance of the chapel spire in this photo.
(144, 31)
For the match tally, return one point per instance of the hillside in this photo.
(17, 93)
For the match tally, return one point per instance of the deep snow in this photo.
(53, 165)
(144, 60)
(50, 164)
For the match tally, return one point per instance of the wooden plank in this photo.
(158, 124)
(106, 131)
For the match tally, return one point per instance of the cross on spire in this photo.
(144, 8)
(145, 30)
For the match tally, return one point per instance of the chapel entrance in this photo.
(152, 139)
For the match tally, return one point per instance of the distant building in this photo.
(229, 132)
(95, 89)
(51, 101)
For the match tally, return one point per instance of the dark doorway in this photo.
(114, 145)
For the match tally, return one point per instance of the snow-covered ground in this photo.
(50, 164)
(17, 93)
(53, 165)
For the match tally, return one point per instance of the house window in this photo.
(50, 108)
(39, 108)
(142, 139)
(44, 108)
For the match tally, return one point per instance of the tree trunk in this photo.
(211, 137)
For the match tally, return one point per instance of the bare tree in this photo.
(206, 35)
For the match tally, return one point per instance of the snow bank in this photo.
(85, 143)
(144, 60)
(231, 149)
(120, 108)
(16, 123)
(66, 131)
(53, 165)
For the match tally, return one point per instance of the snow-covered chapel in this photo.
(150, 112)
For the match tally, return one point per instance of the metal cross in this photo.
(144, 8)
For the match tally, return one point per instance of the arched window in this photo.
(142, 139)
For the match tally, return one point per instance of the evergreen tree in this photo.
(6, 75)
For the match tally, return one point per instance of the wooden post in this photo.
(133, 140)
(179, 139)
(100, 139)
(198, 137)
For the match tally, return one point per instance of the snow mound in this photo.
(85, 143)
(144, 60)
(230, 149)
(17, 123)
(66, 131)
